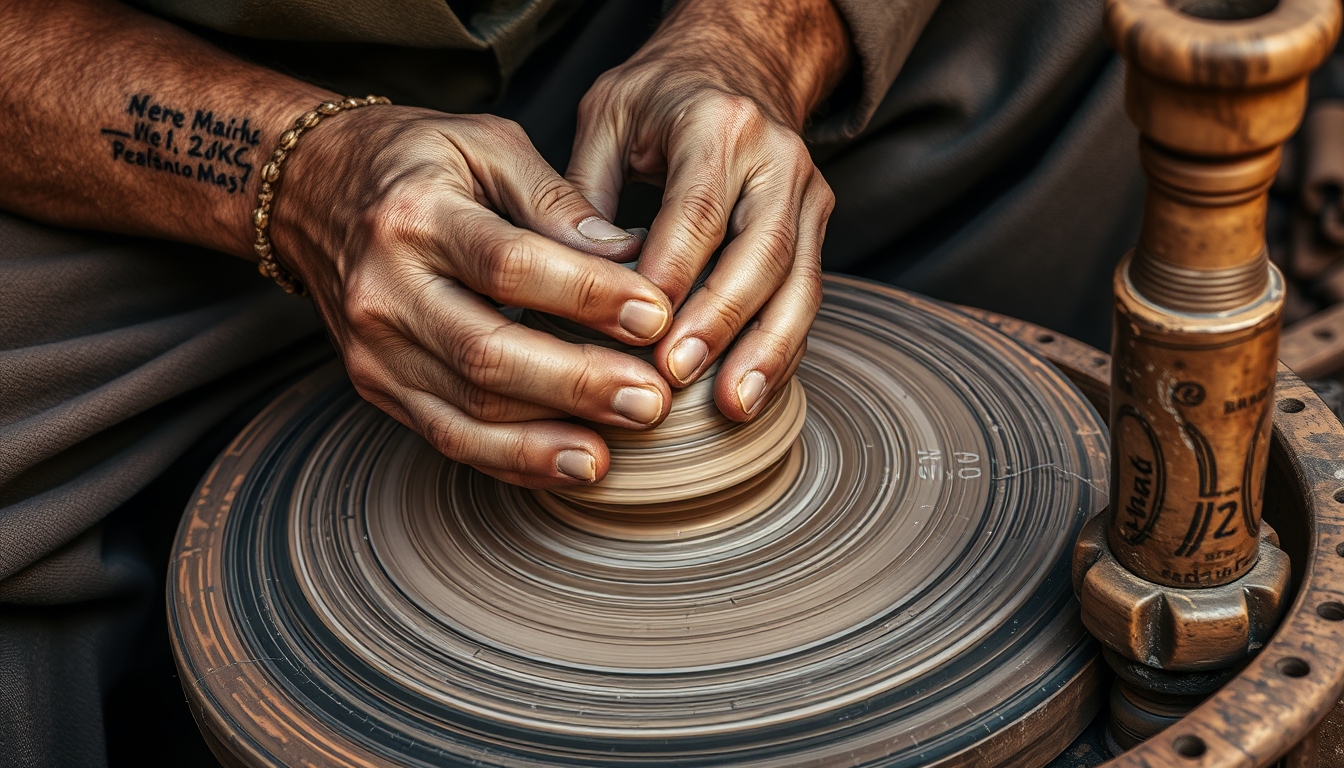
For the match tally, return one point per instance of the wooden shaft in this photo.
(1215, 87)
(1202, 246)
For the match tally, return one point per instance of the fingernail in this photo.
(749, 391)
(642, 319)
(602, 230)
(579, 465)
(639, 232)
(638, 404)
(687, 356)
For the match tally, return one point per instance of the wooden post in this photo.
(1182, 584)
(1215, 88)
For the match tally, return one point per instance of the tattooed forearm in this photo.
(201, 144)
(143, 128)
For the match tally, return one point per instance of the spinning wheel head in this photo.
(899, 594)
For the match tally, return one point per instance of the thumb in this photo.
(526, 189)
(597, 165)
(546, 203)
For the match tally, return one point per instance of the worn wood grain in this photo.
(1314, 348)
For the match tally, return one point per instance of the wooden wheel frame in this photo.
(280, 671)
(1272, 708)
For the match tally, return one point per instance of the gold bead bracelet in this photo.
(270, 178)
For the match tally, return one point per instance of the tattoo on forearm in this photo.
(200, 144)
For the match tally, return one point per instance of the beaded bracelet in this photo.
(270, 177)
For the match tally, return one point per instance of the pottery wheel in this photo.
(342, 594)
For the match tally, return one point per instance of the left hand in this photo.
(711, 108)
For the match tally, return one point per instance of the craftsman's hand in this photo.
(392, 218)
(711, 108)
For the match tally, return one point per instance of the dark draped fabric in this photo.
(117, 356)
(998, 170)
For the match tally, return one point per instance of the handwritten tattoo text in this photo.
(200, 144)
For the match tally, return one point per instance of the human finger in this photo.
(752, 267)
(537, 454)
(402, 361)
(703, 183)
(766, 355)
(520, 268)
(523, 186)
(490, 352)
(597, 162)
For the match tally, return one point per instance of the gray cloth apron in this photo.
(998, 170)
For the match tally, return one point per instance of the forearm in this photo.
(125, 123)
(789, 54)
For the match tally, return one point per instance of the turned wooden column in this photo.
(1180, 582)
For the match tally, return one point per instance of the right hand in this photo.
(395, 219)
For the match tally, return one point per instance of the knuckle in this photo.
(397, 218)
(595, 100)
(375, 397)
(824, 193)
(584, 380)
(827, 201)
(491, 133)
(484, 359)
(809, 275)
(588, 297)
(522, 447)
(808, 267)
(507, 265)
(776, 347)
(728, 315)
(737, 113)
(440, 432)
(680, 267)
(371, 381)
(803, 167)
(500, 126)
(788, 152)
(705, 213)
(552, 195)
(796, 148)
(479, 403)
(365, 373)
(777, 247)
(363, 307)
